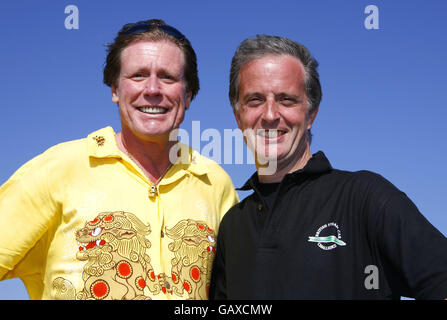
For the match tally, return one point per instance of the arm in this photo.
(415, 249)
(26, 211)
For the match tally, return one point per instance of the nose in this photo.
(270, 113)
(152, 86)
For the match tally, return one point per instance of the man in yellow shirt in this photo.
(132, 215)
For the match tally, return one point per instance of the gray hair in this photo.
(255, 48)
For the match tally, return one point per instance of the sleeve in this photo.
(229, 197)
(224, 193)
(218, 288)
(416, 250)
(26, 212)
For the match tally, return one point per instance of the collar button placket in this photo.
(152, 190)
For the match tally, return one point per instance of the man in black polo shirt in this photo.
(310, 231)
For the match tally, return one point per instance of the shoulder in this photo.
(213, 170)
(44, 173)
(61, 155)
(76, 153)
(241, 210)
(374, 197)
(362, 181)
(67, 149)
(54, 161)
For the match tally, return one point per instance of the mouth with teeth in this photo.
(90, 245)
(84, 246)
(269, 134)
(153, 110)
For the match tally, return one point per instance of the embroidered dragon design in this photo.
(114, 246)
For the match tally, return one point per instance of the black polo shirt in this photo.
(328, 234)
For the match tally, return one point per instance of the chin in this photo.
(263, 158)
(152, 135)
(270, 152)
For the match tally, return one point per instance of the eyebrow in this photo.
(158, 71)
(250, 94)
(277, 96)
(294, 96)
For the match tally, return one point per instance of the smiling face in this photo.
(273, 111)
(150, 90)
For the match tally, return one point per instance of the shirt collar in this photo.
(102, 144)
(193, 163)
(318, 164)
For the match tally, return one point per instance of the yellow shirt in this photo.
(80, 221)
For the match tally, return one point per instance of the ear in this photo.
(188, 99)
(312, 117)
(238, 121)
(115, 96)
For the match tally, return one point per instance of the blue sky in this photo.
(383, 107)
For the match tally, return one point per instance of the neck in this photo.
(151, 156)
(275, 171)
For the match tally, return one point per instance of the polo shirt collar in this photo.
(318, 164)
(102, 144)
(194, 164)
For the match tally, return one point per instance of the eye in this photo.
(288, 101)
(96, 232)
(139, 76)
(167, 77)
(254, 101)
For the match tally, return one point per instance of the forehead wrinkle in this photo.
(278, 87)
(159, 54)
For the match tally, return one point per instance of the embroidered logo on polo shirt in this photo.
(328, 237)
